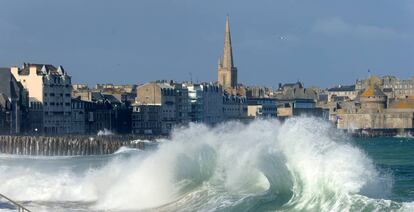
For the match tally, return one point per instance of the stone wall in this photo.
(67, 145)
(385, 120)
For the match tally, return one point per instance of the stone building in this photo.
(146, 119)
(51, 87)
(13, 103)
(206, 100)
(163, 94)
(226, 71)
(371, 112)
(342, 92)
(299, 107)
(183, 104)
(390, 85)
(124, 93)
(113, 101)
(79, 116)
(259, 92)
(82, 91)
(291, 91)
(262, 108)
(35, 116)
(235, 107)
(92, 117)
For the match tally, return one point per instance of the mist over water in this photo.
(301, 165)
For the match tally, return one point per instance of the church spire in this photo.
(226, 72)
(228, 52)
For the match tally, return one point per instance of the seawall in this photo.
(371, 133)
(68, 145)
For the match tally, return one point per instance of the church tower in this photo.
(226, 72)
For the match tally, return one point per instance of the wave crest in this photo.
(302, 164)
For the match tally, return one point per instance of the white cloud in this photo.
(339, 27)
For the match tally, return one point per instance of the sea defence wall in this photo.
(367, 133)
(68, 145)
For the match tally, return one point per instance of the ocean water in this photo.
(302, 164)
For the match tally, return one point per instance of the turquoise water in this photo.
(394, 156)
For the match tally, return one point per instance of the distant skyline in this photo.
(321, 42)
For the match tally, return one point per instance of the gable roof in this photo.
(25, 70)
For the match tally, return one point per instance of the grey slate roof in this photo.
(25, 70)
(297, 93)
(342, 88)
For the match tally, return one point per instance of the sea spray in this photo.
(302, 164)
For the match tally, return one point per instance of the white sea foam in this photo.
(302, 164)
(105, 132)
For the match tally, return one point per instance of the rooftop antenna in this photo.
(191, 77)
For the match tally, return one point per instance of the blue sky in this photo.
(320, 42)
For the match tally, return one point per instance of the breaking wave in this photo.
(300, 165)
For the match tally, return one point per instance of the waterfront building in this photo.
(51, 86)
(82, 91)
(294, 99)
(371, 111)
(226, 71)
(206, 100)
(4, 120)
(12, 103)
(391, 86)
(258, 92)
(183, 104)
(111, 98)
(235, 107)
(342, 93)
(159, 107)
(262, 108)
(147, 119)
(79, 116)
(163, 94)
(119, 112)
(296, 90)
(299, 107)
(124, 93)
(92, 117)
(289, 86)
(35, 116)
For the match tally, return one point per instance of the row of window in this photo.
(47, 113)
(56, 103)
(399, 86)
(53, 94)
(146, 124)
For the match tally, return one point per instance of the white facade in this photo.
(206, 103)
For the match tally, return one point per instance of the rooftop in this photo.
(372, 90)
(342, 88)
